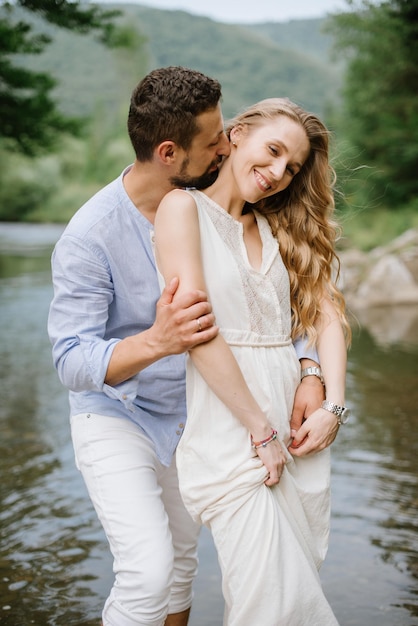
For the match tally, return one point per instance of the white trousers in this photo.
(151, 536)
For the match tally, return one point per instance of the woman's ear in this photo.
(236, 134)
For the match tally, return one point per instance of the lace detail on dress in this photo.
(267, 291)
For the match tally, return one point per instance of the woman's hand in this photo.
(317, 432)
(274, 460)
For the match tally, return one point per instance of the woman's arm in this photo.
(320, 430)
(178, 253)
(332, 353)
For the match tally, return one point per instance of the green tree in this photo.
(29, 117)
(380, 112)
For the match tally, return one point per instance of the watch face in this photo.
(344, 417)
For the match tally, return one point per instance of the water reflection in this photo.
(55, 566)
(375, 489)
(391, 325)
(391, 395)
(48, 532)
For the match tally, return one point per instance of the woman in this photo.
(268, 510)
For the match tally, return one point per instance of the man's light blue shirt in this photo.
(105, 289)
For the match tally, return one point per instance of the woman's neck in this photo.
(224, 192)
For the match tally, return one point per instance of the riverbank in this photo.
(381, 289)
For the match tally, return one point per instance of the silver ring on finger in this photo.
(199, 325)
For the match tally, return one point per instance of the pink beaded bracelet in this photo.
(264, 442)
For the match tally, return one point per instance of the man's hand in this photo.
(312, 428)
(184, 323)
(308, 397)
(315, 434)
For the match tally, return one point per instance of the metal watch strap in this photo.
(341, 412)
(312, 371)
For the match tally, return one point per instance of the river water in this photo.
(55, 565)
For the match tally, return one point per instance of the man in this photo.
(119, 345)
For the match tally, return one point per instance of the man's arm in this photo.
(83, 293)
(310, 392)
(176, 329)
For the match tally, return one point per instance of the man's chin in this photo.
(198, 182)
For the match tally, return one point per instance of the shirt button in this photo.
(178, 432)
(181, 425)
(124, 396)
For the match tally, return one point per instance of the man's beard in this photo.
(197, 182)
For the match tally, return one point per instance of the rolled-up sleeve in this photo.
(304, 351)
(78, 317)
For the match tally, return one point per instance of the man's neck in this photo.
(146, 187)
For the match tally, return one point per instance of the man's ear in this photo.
(167, 152)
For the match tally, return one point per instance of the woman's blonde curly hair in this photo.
(301, 218)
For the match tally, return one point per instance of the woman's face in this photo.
(267, 156)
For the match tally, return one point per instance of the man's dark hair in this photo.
(164, 106)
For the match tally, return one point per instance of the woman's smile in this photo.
(261, 181)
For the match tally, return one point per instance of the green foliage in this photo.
(317, 43)
(30, 119)
(249, 64)
(25, 184)
(366, 229)
(72, 15)
(51, 188)
(380, 116)
(28, 114)
(375, 129)
(367, 218)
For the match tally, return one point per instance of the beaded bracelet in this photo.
(264, 442)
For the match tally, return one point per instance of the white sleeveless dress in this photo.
(270, 541)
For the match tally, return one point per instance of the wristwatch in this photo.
(312, 371)
(341, 412)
